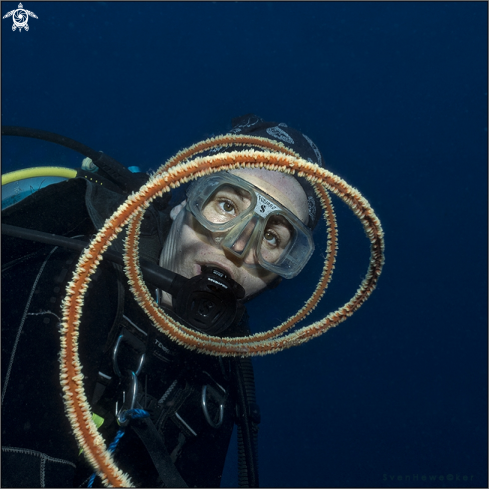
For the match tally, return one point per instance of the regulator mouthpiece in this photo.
(209, 302)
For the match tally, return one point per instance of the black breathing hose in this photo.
(164, 279)
(116, 171)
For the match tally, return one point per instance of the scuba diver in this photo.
(235, 235)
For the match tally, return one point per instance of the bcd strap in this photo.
(153, 442)
(248, 418)
(159, 357)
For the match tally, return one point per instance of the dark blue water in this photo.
(395, 96)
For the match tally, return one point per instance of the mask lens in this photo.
(242, 219)
(277, 238)
(225, 204)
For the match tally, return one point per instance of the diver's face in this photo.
(188, 246)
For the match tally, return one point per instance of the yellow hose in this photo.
(39, 171)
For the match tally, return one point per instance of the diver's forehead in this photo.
(283, 188)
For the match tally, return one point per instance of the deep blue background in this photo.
(395, 96)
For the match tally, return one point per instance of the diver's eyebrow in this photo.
(243, 193)
(240, 192)
(281, 220)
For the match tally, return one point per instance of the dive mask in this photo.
(242, 219)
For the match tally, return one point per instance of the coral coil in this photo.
(175, 172)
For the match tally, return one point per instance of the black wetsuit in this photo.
(38, 447)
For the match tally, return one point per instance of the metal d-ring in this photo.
(116, 363)
(128, 401)
(129, 396)
(206, 412)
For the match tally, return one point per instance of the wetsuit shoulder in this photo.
(57, 209)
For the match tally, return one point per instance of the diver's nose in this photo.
(242, 242)
(251, 257)
(244, 237)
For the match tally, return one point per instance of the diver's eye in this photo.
(227, 206)
(271, 238)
